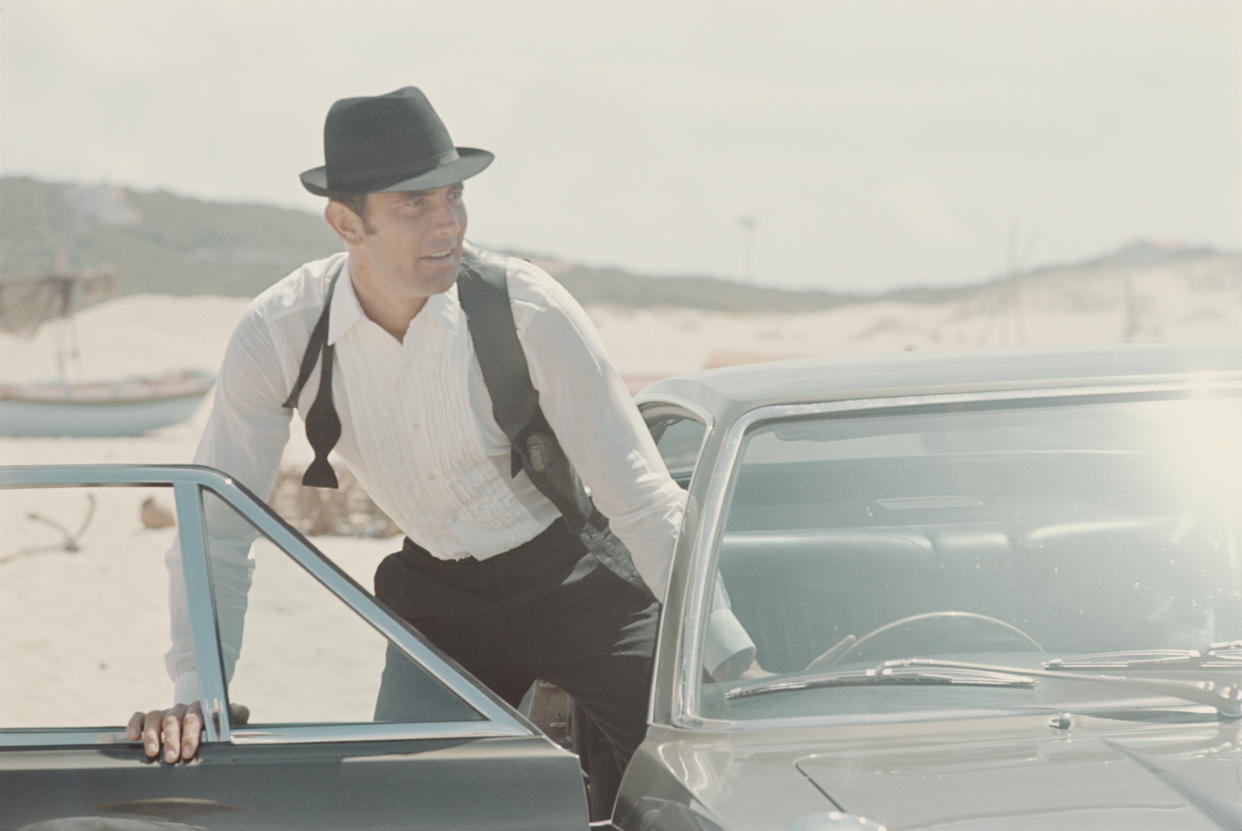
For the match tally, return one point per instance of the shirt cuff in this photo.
(187, 689)
(727, 650)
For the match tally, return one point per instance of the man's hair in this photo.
(358, 204)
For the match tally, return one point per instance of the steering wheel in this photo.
(849, 643)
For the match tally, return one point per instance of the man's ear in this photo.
(347, 224)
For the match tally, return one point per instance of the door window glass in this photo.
(83, 605)
(294, 652)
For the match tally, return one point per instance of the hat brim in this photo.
(469, 161)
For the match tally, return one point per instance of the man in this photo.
(489, 570)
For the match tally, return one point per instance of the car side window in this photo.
(679, 438)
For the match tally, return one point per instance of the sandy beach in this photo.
(49, 671)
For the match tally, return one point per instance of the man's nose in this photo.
(449, 216)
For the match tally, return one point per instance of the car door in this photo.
(288, 671)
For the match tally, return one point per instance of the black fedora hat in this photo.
(389, 142)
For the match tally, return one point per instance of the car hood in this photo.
(994, 774)
(1091, 775)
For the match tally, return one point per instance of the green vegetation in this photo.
(160, 243)
(154, 242)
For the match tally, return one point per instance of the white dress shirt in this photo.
(418, 433)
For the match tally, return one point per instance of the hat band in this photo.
(390, 173)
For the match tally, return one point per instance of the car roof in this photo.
(740, 388)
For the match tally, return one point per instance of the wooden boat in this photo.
(121, 407)
(127, 406)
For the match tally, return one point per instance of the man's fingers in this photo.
(151, 733)
(177, 730)
(170, 728)
(191, 730)
(133, 730)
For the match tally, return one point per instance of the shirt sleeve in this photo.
(245, 436)
(597, 423)
(594, 417)
(727, 649)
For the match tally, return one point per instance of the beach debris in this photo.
(345, 511)
(155, 515)
(70, 542)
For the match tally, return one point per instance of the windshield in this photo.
(987, 532)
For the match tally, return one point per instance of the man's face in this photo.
(412, 242)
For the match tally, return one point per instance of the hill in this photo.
(155, 242)
(160, 243)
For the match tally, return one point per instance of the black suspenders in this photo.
(323, 426)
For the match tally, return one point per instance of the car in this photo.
(986, 590)
(290, 739)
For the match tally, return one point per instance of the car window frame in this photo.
(189, 484)
(656, 409)
(681, 693)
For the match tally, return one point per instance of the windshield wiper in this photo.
(885, 674)
(1225, 699)
(1216, 656)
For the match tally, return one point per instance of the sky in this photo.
(842, 145)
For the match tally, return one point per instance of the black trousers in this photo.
(547, 610)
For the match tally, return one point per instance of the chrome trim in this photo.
(101, 475)
(283, 734)
(367, 607)
(684, 706)
(186, 481)
(396, 731)
(760, 725)
(192, 537)
(63, 736)
(675, 405)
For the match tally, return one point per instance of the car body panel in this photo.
(433, 784)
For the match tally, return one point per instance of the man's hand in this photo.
(177, 729)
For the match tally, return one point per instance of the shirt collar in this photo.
(445, 308)
(346, 310)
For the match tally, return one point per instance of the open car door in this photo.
(291, 740)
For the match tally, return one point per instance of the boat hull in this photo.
(126, 407)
